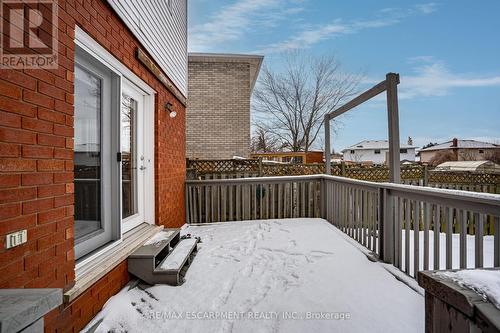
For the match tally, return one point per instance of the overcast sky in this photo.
(447, 53)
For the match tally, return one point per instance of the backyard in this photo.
(278, 275)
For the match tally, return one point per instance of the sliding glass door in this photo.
(109, 157)
(93, 144)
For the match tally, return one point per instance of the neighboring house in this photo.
(377, 152)
(470, 166)
(336, 158)
(296, 157)
(218, 113)
(462, 150)
(91, 162)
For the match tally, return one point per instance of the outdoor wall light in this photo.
(168, 107)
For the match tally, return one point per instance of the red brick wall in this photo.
(36, 175)
(36, 152)
(75, 316)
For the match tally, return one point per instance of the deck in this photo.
(278, 275)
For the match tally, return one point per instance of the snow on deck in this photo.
(484, 282)
(294, 275)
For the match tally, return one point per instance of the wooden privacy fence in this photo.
(414, 174)
(397, 222)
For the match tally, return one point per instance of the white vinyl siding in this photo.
(371, 155)
(162, 31)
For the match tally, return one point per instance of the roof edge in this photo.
(234, 57)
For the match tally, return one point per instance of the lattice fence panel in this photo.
(463, 178)
(410, 174)
(291, 169)
(213, 166)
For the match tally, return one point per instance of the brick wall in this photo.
(218, 114)
(74, 317)
(36, 152)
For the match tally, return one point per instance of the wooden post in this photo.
(392, 80)
(386, 241)
(186, 203)
(381, 217)
(426, 175)
(342, 169)
(260, 166)
(323, 200)
(328, 165)
(496, 243)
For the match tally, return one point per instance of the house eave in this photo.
(255, 61)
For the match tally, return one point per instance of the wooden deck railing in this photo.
(391, 219)
(252, 198)
(397, 222)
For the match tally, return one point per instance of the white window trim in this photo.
(94, 48)
(87, 43)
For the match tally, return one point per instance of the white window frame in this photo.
(89, 45)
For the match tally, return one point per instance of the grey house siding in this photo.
(162, 31)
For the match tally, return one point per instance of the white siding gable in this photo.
(161, 27)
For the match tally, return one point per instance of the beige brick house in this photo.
(462, 150)
(218, 113)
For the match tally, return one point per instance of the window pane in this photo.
(87, 165)
(129, 156)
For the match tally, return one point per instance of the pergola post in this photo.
(390, 86)
(392, 81)
(386, 199)
(328, 164)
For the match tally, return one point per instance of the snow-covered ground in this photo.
(294, 275)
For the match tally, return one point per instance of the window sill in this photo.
(90, 272)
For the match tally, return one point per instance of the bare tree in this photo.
(493, 156)
(292, 103)
(467, 155)
(263, 140)
(441, 157)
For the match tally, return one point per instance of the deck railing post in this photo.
(496, 242)
(323, 199)
(186, 203)
(381, 216)
(426, 175)
(386, 226)
(328, 160)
